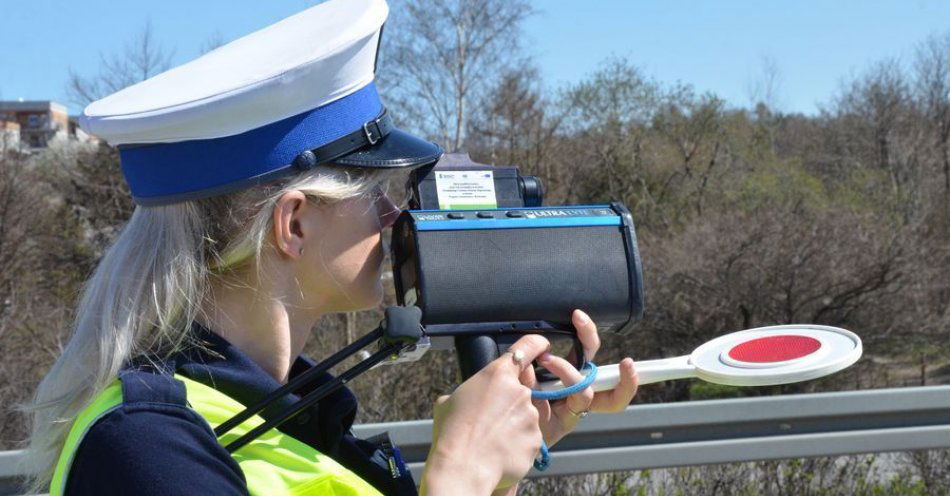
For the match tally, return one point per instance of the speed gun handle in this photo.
(648, 372)
(475, 352)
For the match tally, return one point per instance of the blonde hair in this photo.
(147, 290)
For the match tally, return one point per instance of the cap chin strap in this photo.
(370, 134)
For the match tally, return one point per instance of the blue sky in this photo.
(716, 46)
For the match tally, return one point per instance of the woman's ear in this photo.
(289, 231)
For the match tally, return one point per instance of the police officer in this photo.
(256, 170)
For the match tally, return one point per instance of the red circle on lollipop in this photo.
(773, 349)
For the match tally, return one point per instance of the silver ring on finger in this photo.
(581, 414)
(517, 356)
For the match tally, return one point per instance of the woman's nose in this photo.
(388, 211)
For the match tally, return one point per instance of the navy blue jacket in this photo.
(155, 445)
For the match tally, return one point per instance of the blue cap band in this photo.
(164, 173)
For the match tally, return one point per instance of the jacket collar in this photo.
(222, 366)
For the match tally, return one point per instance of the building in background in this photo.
(41, 124)
(9, 135)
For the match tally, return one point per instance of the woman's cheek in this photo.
(369, 277)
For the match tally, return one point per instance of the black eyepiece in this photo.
(532, 190)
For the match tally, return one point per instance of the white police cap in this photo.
(285, 98)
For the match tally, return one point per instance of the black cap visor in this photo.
(396, 150)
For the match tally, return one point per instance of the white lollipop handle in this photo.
(649, 371)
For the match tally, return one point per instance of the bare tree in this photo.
(606, 126)
(779, 264)
(617, 93)
(141, 58)
(506, 126)
(212, 42)
(933, 88)
(765, 87)
(18, 248)
(694, 126)
(517, 125)
(883, 129)
(42, 261)
(440, 56)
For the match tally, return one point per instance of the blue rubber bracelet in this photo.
(544, 458)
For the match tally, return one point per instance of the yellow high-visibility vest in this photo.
(273, 464)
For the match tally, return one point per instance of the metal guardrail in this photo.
(721, 431)
(9, 472)
(716, 431)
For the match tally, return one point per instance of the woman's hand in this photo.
(560, 417)
(487, 433)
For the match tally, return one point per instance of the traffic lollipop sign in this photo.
(763, 356)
